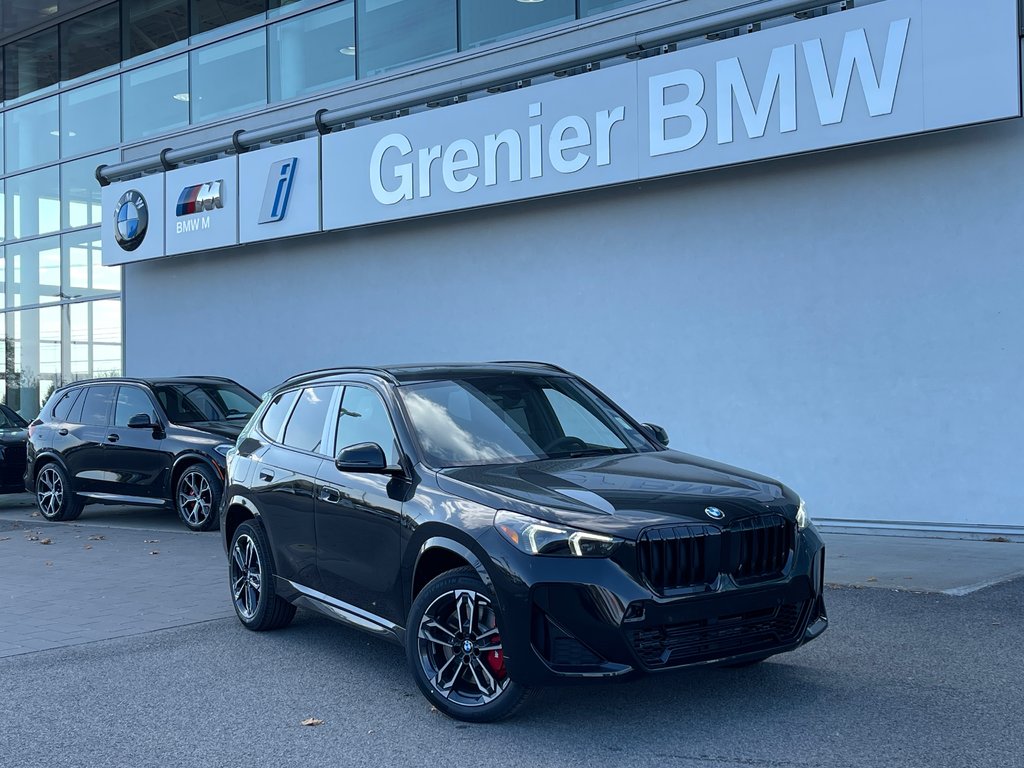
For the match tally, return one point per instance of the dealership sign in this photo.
(889, 69)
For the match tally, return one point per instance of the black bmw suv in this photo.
(511, 527)
(154, 442)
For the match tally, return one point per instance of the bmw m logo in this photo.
(714, 513)
(199, 198)
(131, 215)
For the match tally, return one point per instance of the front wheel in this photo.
(251, 577)
(455, 653)
(56, 500)
(197, 498)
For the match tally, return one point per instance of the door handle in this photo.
(113, 437)
(330, 495)
(266, 474)
(62, 431)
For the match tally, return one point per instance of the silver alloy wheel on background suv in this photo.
(50, 492)
(195, 498)
(246, 577)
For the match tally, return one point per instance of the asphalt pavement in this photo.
(901, 678)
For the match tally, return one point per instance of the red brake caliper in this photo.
(496, 659)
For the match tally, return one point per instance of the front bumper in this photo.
(571, 619)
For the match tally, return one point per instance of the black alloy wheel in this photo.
(54, 497)
(456, 654)
(251, 579)
(197, 498)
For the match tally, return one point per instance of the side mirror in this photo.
(362, 457)
(658, 433)
(141, 421)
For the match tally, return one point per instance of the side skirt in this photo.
(304, 597)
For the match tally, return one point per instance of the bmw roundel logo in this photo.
(131, 218)
(714, 513)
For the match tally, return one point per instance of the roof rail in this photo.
(342, 369)
(201, 376)
(538, 363)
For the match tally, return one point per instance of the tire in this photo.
(478, 689)
(55, 499)
(197, 498)
(257, 605)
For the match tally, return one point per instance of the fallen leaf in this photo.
(35, 514)
(151, 541)
(154, 552)
(433, 708)
(311, 721)
(872, 578)
(31, 538)
(49, 563)
(96, 537)
(46, 541)
(88, 546)
(999, 540)
(5, 538)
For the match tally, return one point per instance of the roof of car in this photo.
(153, 382)
(414, 372)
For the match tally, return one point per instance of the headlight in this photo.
(223, 449)
(802, 520)
(537, 537)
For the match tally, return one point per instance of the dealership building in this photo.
(787, 231)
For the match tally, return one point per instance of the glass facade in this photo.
(73, 94)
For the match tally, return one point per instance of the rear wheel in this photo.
(54, 497)
(251, 579)
(197, 498)
(456, 654)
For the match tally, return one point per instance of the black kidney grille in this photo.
(679, 557)
(721, 636)
(759, 547)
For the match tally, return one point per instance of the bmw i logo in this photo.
(131, 216)
(714, 513)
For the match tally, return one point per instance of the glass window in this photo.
(211, 14)
(1, 146)
(311, 52)
(95, 339)
(31, 135)
(62, 409)
(275, 415)
(189, 403)
(96, 405)
(240, 61)
(30, 64)
(393, 33)
(149, 25)
(484, 21)
(158, 100)
(363, 418)
(90, 42)
(132, 401)
(33, 272)
(31, 363)
(306, 426)
(3, 213)
(84, 273)
(90, 118)
(80, 191)
(590, 7)
(32, 203)
(576, 420)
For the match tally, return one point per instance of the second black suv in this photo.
(158, 442)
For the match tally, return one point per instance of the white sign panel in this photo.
(279, 191)
(133, 220)
(201, 211)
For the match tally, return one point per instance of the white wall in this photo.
(850, 322)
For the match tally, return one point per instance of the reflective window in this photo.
(1, 144)
(306, 426)
(62, 409)
(485, 21)
(590, 7)
(94, 348)
(31, 135)
(132, 401)
(32, 355)
(149, 25)
(33, 272)
(90, 42)
(393, 33)
(32, 203)
(363, 418)
(30, 63)
(96, 406)
(80, 191)
(211, 14)
(3, 214)
(84, 273)
(90, 118)
(239, 61)
(273, 418)
(159, 99)
(311, 52)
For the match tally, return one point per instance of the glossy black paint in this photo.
(13, 437)
(135, 462)
(359, 545)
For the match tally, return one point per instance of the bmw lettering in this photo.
(278, 191)
(200, 198)
(131, 215)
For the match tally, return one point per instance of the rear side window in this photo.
(96, 404)
(275, 415)
(306, 426)
(62, 409)
(132, 401)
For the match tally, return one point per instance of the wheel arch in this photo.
(49, 457)
(185, 461)
(438, 554)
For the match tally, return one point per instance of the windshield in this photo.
(503, 419)
(190, 403)
(11, 420)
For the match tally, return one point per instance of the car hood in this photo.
(223, 429)
(622, 494)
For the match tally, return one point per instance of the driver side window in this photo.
(131, 401)
(363, 418)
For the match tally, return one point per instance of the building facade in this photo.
(699, 205)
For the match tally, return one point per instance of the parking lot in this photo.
(118, 647)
